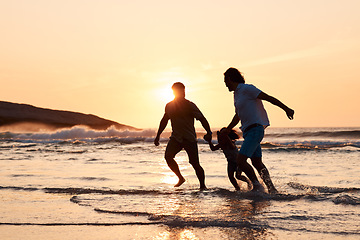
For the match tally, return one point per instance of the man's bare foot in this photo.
(181, 181)
(203, 188)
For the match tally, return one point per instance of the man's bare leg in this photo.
(191, 149)
(264, 174)
(175, 168)
(200, 173)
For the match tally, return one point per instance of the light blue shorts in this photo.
(252, 138)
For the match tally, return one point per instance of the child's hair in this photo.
(232, 135)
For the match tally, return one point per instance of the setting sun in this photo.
(165, 95)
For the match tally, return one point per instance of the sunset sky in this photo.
(118, 59)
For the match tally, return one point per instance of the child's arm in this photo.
(213, 147)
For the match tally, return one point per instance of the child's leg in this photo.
(231, 169)
(243, 178)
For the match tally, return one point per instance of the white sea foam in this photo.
(85, 133)
(272, 142)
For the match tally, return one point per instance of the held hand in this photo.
(156, 141)
(208, 137)
(225, 132)
(290, 113)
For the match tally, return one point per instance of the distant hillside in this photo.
(14, 114)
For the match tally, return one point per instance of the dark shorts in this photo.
(251, 146)
(174, 147)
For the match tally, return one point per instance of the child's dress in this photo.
(231, 155)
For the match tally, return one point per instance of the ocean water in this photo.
(84, 184)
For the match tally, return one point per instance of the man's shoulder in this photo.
(180, 102)
(245, 85)
(176, 104)
(249, 88)
(169, 104)
(190, 102)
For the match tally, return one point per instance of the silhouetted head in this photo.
(232, 134)
(178, 90)
(232, 77)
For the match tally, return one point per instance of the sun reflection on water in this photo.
(179, 234)
(170, 179)
(187, 234)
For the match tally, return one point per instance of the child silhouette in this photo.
(226, 142)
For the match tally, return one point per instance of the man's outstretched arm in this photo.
(162, 126)
(289, 112)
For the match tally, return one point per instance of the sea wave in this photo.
(305, 133)
(148, 207)
(309, 145)
(81, 134)
(86, 132)
(322, 189)
(347, 200)
(185, 208)
(317, 193)
(287, 140)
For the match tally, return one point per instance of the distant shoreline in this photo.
(15, 116)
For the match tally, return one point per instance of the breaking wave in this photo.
(335, 133)
(81, 134)
(275, 140)
(309, 145)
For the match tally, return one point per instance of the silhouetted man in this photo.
(182, 113)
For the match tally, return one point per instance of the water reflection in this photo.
(177, 234)
(168, 177)
(203, 215)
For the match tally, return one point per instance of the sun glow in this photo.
(165, 94)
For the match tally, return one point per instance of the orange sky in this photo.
(116, 58)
